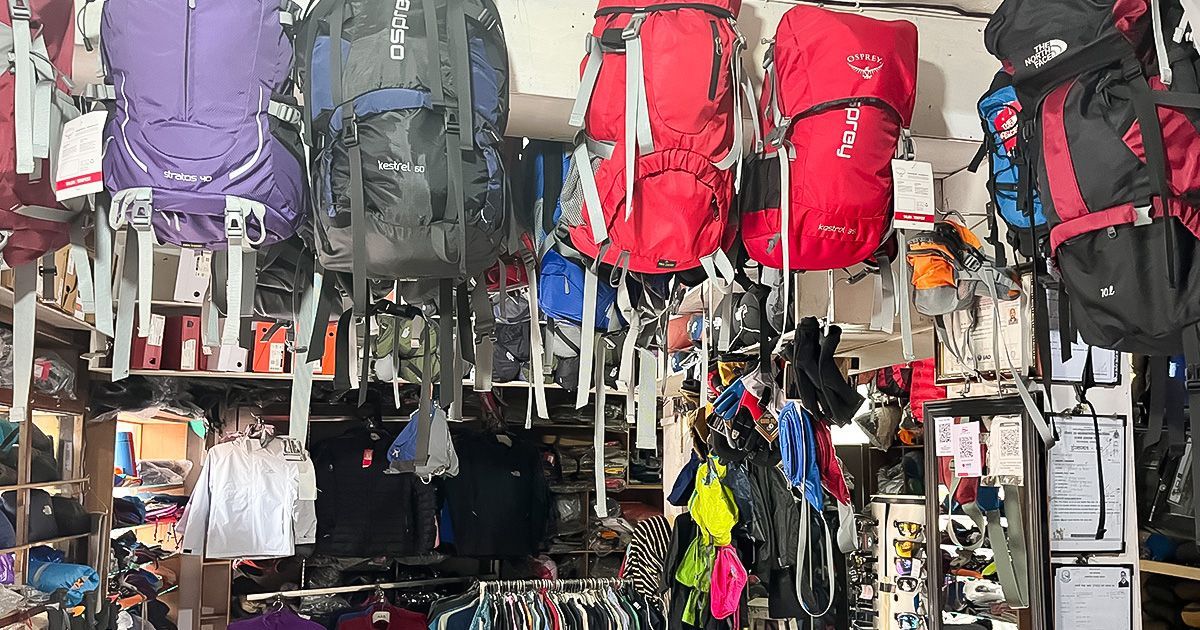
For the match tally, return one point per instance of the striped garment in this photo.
(646, 555)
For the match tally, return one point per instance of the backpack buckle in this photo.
(779, 133)
(19, 10)
(452, 126)
(235, 223)
(634, 29)
(350, 137)
(140, 211)
(1191, 375)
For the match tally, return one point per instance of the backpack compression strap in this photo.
(589, 337)
(24, 329)
(134, 207)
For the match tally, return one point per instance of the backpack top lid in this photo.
(824, 56)
(727, 8)
(1044, 43)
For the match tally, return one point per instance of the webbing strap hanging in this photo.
(736, 150)
(425, 404)
(24, 329)
(587, 85)
(1160, 43)
(591, 193)
(637, 115)
(803, 561)
(906, 297)
(241, 262)
(103, 236)
(83, 267)
(1158, 376)
(647, 415)
(1031, 407)
(302, 366)
(783, 154)
(448, 390)
(126, 292)
(587, 338)
(601, 507)
(141, 208)
(973, 512)
(1191, 351)
(23, 105)
(883, 318)
(537, 349)
(1011, 550)
(485, 334)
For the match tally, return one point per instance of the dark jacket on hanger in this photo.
(777, 512)
(363, 512)
(499, 501)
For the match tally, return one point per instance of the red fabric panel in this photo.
(1056, 154)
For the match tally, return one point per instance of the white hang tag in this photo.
(942, 427)
(278, 351)
(193, 275)
(80, 157)
(381, 617)
(232, 359)
(913, 182)
(967, 461)
(187, 358)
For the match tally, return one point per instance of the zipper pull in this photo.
(566, 286)
(191, 4)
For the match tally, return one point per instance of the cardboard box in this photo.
(147, 351)
(182, 345)
(270, 352)
(329, 355)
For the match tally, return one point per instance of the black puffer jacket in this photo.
(362, 512)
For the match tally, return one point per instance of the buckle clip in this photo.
(350, 136)
(19, 10)
(140, 211)
(235, 224)
(634, 29)
(452, 124)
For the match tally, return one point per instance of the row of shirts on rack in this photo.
(260, 496)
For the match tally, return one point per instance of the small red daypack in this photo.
(661, 90)
(839, 91)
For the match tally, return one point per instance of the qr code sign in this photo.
(1010, 444)
(966, 447)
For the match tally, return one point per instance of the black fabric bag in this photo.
(71, 517)
(43, 525)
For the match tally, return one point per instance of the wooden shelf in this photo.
(1167, 568)
(45, 484)
(131, 490)
(48, 541)
(21, 616)
(47, 313)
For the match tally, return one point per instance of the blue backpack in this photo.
(999, 112)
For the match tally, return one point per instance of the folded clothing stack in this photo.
(164, 508)
(128, 512)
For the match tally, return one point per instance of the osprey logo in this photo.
(1108, 291)
(1045, 52)
(865, 64)
(850, 135)
(399, 30)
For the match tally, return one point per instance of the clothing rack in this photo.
(550, 585)
(335, 590)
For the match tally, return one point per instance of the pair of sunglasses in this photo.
(909, 621)
(908, 584)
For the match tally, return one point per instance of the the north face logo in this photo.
(1044, 52)
(865, 64)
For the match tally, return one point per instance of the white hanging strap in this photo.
(23, 96)
(634, 96)
(83, 267)
(883, 319)
(242, 265)
(302, 370)
(24, 330)
(126, 294)
(43, 97)
(783, 155)
(587, 85)
(141, 207)
(591, 193)
(1160, 43)
(598, 418)
(736, 151)
(103, 284)
(705, 327)
(905, 301)
(537, 349)
(587, 338)
(210, 330)
(647, 388)
(752, 104)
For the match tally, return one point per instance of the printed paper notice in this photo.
(1006, 461)
(1075, 485)
(943, 426)
(914, 195)
(967, 461)
(80, 155)
(1093, 597)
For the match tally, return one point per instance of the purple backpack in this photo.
(203, 147)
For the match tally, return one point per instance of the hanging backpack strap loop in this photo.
(537, 348)
(302, 362)
(592, 205)
(103, 270)
(485, 333)
(587, 85)
(638, 139)
(447, 354)
(601, 507)
(24, 330)
(25, 82)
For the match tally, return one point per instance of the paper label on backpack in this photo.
(80, 157)
(942, 427)
(187, 358)
(275, 363)
(193, 275)
(967, 462)
(232, 359)
(913, 195)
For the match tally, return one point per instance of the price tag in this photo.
(187, 360)
(80, 157)
(967, 461)
(158, 324)
(368, 457)
(942, 427)
(275, 363)
(914, 203)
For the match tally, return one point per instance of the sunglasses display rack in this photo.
(886, 574)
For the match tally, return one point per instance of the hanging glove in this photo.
(757, 386)
(730, 400)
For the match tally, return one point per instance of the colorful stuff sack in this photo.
(661, 109)
(839, 96)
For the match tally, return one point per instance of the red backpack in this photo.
(660, 91)
(839, 91)
(35, 102)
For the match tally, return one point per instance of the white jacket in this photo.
(252, 501)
